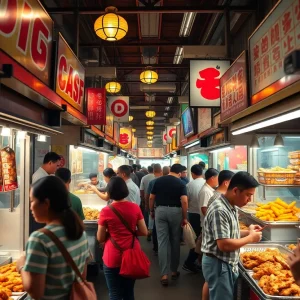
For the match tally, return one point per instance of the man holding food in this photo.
(222, 238)
(94, 181)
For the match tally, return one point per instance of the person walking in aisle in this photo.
(193, 189)
(170, 195)
(134, 177)
(44, 271)
(65, 175)
(183, 176)
(222, 238)
(124, 172)
(119, 287)
(166, 170)
(49, 167)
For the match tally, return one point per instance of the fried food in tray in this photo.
(91, 214)
(292, 247)
(10, 280)
(243, 226)
(272, 272)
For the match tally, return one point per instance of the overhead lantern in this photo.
(150, 123)
(130, 118)
(110, 26)
(149, 76)
(113, 87)
(150, 113)
(149, 138)
(150, 132)
(150, 127)
(133, 130)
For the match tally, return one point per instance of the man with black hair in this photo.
(124, 172)
(193, 189)
(170, 195)
(183, 176)
(203, 166)
(222, 238)
(49, 167)
(94, 181)
(140, 173)
(65, 175)
(133, 176)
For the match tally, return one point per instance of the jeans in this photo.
(220, 278)
(120, 288)
(194, 220)
(168, 225)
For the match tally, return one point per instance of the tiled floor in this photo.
(188, 287)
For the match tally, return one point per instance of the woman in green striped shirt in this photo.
(44, 271)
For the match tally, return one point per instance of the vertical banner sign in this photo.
(9, 169)
(26, 35)
(276, 37)
(134, 143)
(116, 132)
(234, 95)
(96, 106)
(205, 82)
(70, 75)
(164, 137)
(125, 140)
(119, 107)
(170, 131)
(109, 127)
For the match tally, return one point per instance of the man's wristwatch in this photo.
(20, 269)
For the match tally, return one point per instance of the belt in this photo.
(174, 205)
(211, 255)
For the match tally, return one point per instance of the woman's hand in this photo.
(21, 262)
(92, 188)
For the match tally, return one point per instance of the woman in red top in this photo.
(120, 288)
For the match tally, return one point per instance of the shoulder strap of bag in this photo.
(63, 251)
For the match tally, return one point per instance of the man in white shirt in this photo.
(124, 172)
(49, 167)
(193, 189)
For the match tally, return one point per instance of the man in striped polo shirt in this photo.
(222, 238)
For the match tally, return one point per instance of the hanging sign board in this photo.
(150, 152)
(119, 107)
(110, 124)
(70, 75)
(271, 42)
(125, 140)
(205, 82)
(96, 106)
(26, 35)
(170, 131)
(9, 169)
(164, 137)
(234, 95)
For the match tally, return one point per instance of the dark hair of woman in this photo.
(117, 189)
(53, 189)
(109, 172)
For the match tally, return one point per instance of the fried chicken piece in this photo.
(263, 282)
(293, 290)
(250, 264)
(276, 284)
(266, 268)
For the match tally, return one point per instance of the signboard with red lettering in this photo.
(69, 75)
(170, 131)
(234, 94)
(119, 106)
(9, 169)
(26, 35)
(271, 42)
(125, 139)
(96, 106)
(205, 82)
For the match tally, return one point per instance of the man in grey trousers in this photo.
(170, 195)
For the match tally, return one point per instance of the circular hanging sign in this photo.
(119, 108)
(171, 132)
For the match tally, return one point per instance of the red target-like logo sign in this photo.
(165, 137)
(171, 132)
(119, 108)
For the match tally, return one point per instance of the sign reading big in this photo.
(26, 35)
(69, 76)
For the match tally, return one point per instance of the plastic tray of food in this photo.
(5, 260)
(262, 248)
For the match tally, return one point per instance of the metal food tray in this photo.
(5, 260)
(19, 296)
(274, 223)
(249, 273)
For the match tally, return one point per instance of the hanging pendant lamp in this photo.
(113, 87)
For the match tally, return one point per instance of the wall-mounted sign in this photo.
(9, 169)
(134, 143)
(76, 160)
(125, 140)
(216, 139)
(119, 106)
(204, 119)
(205, 82)
(234, 94)
(26, 35)
(96, 106)
(170, 131)
(90, 139)
(271, 42)
(150, 152)
(109, 127)
(70, 75)
(164, 137)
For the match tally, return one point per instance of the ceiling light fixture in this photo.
(149, 76)
(41, 138)
(130, 118)
(276, 120)
(113, 87)
(221, 149)
(166, 114)
(187, 24)
(150, 138)
(6, 131)
(278, 142)
(150, 132)
(133, 130)
(150, 127)
(110, 26)
(254, 142)
(150, 113)
(168, 108)
(170, 100)
(192, 144)
(150, 123)
(178, 56)
(21, 134)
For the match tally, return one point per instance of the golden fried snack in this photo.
(292, 247)
(282, 261)
(250, 264)
(18, 288)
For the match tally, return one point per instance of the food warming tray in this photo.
(262, 248)
(5, 260)
(19, 296)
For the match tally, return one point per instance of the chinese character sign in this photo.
(234, 88)
(205, 82)
(150, 152)
(170, 131)
(125, 138)
(96, 106)
(119, 107)
(277, 36)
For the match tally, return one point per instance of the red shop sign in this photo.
(96, 106)
(9, 169)
(271, 42)
(234, 94)
(26, 35)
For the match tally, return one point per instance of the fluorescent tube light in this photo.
(270, 150)
(192, 144)
(178, 56)
(168, 108)
(221, 149)
(41, 138)
(187, 24)
(6, 131)
(166, 114)
(170, 100)
(276, 120)
(292, 137)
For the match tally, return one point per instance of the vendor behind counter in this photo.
(94, 181)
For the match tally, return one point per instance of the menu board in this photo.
(9, 181)
(150, 152)
(76, 161)
(204, 119)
